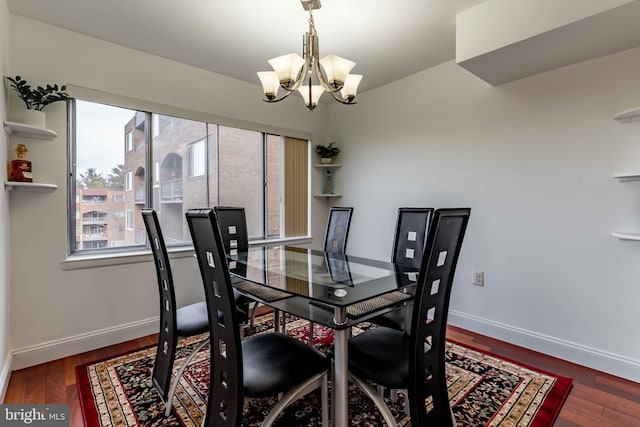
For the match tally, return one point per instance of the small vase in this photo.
(34, 118)
(326, 160)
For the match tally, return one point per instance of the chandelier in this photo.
(294, 73)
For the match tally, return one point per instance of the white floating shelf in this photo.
(327, 165)
(29, 186)
(628, 115)
(626, 178)
(28, 131)
(626, 236)
(327, 195)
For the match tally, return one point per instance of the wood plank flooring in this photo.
(596, 400)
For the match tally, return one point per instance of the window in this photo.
(156, 174)
(128, 142)
(223, 165)
(196, 159)
(129, 220)
(242, 150)
(128, 181)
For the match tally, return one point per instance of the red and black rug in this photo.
(484, 390)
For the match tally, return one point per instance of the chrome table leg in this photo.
(340, 380)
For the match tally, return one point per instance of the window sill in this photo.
(79, 262)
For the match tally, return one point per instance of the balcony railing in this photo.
(140, 194)
(95, 220)
(171, 190)
(94, 236)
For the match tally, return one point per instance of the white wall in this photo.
(57, 312)
(5, 355)
(534, 159)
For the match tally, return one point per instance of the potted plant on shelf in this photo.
(35, 99)
(327, 152)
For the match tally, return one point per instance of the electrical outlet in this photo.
(478, 277)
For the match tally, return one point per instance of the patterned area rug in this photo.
(484, 390)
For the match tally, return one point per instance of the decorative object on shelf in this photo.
(327, 152)
(328, 182)
(36, 99)
(20, 168)
(291, 71)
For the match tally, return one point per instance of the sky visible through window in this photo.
(100, 136)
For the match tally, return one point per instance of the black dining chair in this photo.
(410, 237)
(337, 232)
(175, 323)
(263, 365)
(415, 359)
(335, 239)
(232, 222)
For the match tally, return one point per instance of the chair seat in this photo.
(192, 319)
(382, 356)
(275, 362)
(395, 319)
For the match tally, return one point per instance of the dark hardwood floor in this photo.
(596, 400)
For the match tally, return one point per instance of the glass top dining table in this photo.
(324, 288)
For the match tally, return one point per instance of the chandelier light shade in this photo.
(309, 75)
(287, 67)
(312, 93)
(336, 69)
(350, 87)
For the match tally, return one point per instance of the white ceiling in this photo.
(388, 39)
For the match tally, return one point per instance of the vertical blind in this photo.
(296, 186)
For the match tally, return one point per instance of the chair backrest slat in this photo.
(429, 318)
(337, 232)
(232, 222)
(411, 236)
(226, 394)
(166, 352)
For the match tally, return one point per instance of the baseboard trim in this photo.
(5, 375)
(594, 358)
(56, 349)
